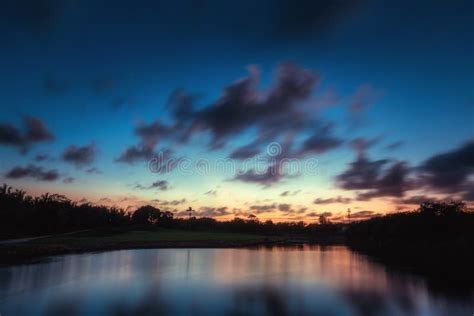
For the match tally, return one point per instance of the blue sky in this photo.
(94, 71)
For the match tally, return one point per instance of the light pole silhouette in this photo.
(190, 210)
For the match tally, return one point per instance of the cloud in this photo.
(362, 174)
(80, 155)
(417, 199)
(284, 207)
(449, 172)
(374, 179)
(10, 135)
(243, 106)
(290, 193)
(35, 131)
(339, 199)
(69, 180)
(34, 172)
(361, 145)
(93, 170)
(161, 185)
(245, 152)
(173, 202)
(263, 208)
(153, 132)
(316, 214)
(364, 97)
(360, 215)
(392, 183)
(269, 177)
(394, 145)
(279, 166)
(211, 192)
(320, 142)
(207, 211)
(137, 153)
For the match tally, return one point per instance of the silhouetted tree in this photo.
(442, 208)
(146, 215)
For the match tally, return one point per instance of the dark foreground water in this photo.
(308, 280)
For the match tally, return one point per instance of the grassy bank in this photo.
(138, 237)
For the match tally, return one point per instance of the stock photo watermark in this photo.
(272, 163)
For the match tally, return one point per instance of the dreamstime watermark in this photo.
(273, 163)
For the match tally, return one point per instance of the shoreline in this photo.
(16, 254)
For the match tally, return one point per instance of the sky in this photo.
(287, 110)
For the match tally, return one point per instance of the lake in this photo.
(296, 280)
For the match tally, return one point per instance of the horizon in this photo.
(203, 104)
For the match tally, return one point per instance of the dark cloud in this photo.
(10, 135)
(290, 193)
(243, 106)
(41, 157)
(362, 174)
(93, 170)
(207, 211)
(374, 179)
(211, 192)
(449, 172)
(137, 153)
(173, 202)
(339, 199)
(263, 208)
(35, 131)
(417, 199)
(161, 185)
(394, 145)
(34, 172)
(152, 133)
(361, 145)
(284, 207)
(468, 194)
(278, 169)
(316, 214)
(245, 152)
(69, 180)
(360, 215)
(364, 97)
(393, 182)
(269, 177)
(320, 142)
(80, 155)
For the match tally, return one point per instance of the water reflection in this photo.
(300, 280)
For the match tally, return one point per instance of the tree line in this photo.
(24, 215)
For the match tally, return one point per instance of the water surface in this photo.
(303, 280)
